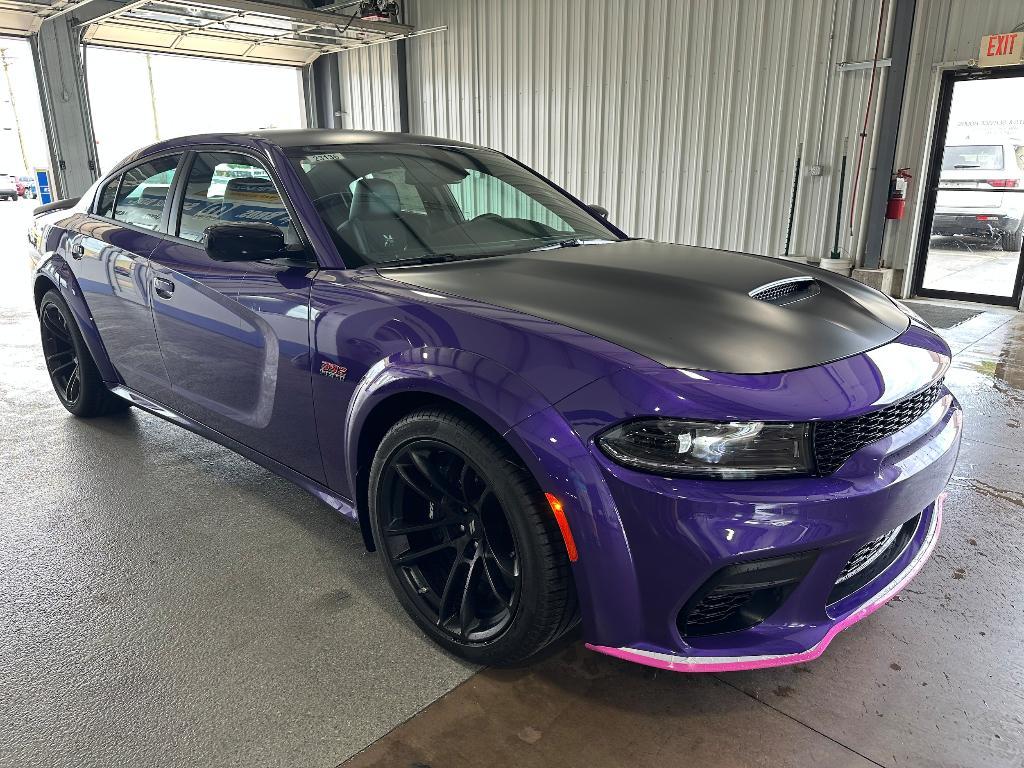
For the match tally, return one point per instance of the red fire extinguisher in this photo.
(898, 194)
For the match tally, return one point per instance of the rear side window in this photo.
(225, 188)
(144, 191)
(105, 203)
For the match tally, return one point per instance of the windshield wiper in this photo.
(433, 258)
(572, 242)
(959, 167)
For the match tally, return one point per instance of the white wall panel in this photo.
(683, 118)
(369, 96)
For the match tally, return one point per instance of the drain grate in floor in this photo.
(941, 316)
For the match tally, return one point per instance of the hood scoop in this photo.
(787, 290)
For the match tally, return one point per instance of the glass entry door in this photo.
(972, 244)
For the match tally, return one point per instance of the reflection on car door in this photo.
(234, 336)
(109, 257)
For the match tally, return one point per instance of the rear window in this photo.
(986, 157)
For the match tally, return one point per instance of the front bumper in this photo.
(649, 546)
(948, 224)
(902, 571)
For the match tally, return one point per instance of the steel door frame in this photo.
(949, 81)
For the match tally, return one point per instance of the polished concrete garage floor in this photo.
(165, 602)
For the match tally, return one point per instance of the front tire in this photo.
(467, 541)
(73, 373)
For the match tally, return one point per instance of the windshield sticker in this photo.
(325, 158)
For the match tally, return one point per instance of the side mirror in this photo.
(244, 242)
(598, 210)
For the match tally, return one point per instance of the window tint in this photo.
(144, 191)
(232, 189)
(395, 203)
(105, 204)
(480, 194)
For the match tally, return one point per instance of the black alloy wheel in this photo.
(450, 541)
(62, 361)
(469, 543)
(75, 378)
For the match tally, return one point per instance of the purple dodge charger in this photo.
(712, 460)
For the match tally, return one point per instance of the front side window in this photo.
(225, 188)
(144, 191)
(400, 203)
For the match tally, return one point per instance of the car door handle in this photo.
(164, 288)
(77, 251)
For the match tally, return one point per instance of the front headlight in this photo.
(735, 450)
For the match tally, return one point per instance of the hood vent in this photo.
(786, 291)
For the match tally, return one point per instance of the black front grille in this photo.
(836, 441)
(742, 595)
(872, 558)
(866, 555)
(716, 606)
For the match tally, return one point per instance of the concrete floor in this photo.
(165, 602)
(970, 265)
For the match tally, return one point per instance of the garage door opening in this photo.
(975, 203)
(140, 98)
(22, 138)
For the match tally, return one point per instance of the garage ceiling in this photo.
(246, 30)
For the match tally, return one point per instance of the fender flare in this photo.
(492, 393)
(57, 271)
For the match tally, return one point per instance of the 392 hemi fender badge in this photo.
(333, 370)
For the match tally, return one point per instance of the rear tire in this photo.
(481, 566)
(73, 373)
(1013, 241)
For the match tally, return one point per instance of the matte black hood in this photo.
(684, 307)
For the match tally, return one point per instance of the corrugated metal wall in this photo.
(369, 93)
(683, 118)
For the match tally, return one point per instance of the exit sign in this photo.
(1000, 50)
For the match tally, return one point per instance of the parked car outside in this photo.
(8, 187)
(981, 191)
(714, 460)
(29, 185)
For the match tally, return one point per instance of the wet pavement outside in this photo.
(970, 265)
(166, 602)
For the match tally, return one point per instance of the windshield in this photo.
(408, 202)
(986, 157)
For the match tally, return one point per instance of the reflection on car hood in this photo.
(681, 306)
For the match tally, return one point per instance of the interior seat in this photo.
(375, 224)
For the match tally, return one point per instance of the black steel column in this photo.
(889, 128)
(327, 91)
(402, 71)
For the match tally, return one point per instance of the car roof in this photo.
(286, 139)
